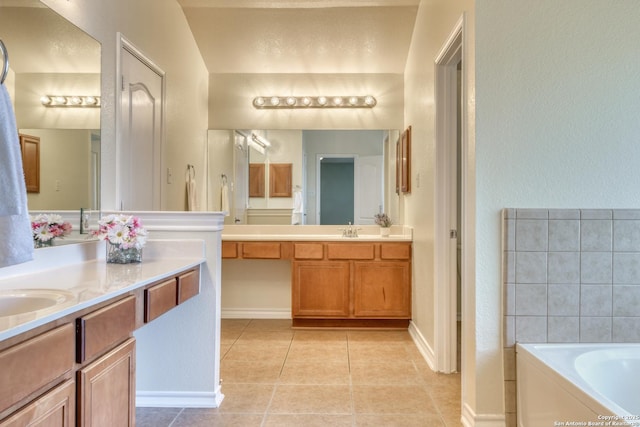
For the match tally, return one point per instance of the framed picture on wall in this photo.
(398, 163)
(405, 161)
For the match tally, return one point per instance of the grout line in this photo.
(176, 417)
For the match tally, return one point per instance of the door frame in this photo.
(124, 43)
(445, 263)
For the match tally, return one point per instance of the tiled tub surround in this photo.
(569, 275)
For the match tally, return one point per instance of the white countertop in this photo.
(94, 281)
(366, 233)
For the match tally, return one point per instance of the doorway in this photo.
(141, 130)
(449, 251)
(336, 192)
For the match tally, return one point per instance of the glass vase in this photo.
(37, 243)
(119, 255)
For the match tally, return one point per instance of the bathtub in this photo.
(578, 384)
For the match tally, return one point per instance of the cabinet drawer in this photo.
(395, 251)
(308, 251)
(98, 331)
(188, 285)
(160, 298)
(350, 251)
(229, 250)
(31, 365)
(261, 250)
(56, 408)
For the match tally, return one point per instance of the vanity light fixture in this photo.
(70, 101)
(259, 143)
(272, 102)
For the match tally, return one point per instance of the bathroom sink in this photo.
(21, 301)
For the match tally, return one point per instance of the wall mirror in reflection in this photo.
(50, 56)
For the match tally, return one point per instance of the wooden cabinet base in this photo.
(351, 323)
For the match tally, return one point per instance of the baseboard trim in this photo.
(255, 313)
(471, 419)
(423, 346)
(179, 399)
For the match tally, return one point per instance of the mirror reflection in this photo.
(332, 176)
(50, 56)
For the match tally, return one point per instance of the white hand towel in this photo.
(296, 214)
(224, 199)
(192, 201)
(16, 244)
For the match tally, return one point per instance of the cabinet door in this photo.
(106, 389)
(30, 147)
(54, 409)
(320, 289)
(280, 179)
(382, 289)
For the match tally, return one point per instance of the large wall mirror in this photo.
(50, 56)
(337, 176)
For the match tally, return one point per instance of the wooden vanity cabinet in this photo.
(81, 372)
(351, 284)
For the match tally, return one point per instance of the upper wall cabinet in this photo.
(30, 147)
(280, 179)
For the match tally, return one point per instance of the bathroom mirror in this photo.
(331, 169)
(51, 56)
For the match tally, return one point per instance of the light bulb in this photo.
(259, 101)
(291, 101)
(275, 101)
(337, 100)
(322, 100)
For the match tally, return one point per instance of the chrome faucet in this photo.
(349, 231)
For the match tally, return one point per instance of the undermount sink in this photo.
(21, 301)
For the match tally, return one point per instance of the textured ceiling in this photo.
(303, 36)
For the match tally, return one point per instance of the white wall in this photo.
(435, 22)
(159, 29)
(557, 127)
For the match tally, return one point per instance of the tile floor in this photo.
(276, 376)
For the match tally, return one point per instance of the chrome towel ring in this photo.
(5, 67)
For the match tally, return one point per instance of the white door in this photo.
(141, 132)
(369, 183)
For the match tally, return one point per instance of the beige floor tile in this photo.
(378, 352)
(305, 335)
(395, 373)
(305, 420)
(255, 336)
(269, 325)
(243, 371)
(156, 417)
(317, 352)
(315, 373)
(259, 351)
(392, 400)
(224, 349)
(399, 420)
(245, 398)
(311, 399)
(379, 336)
(203, 418)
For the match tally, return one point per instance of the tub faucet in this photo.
(349, 231)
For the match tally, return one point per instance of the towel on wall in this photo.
(16, 244)
(296, 214)
(190, 178)
(224, 199)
